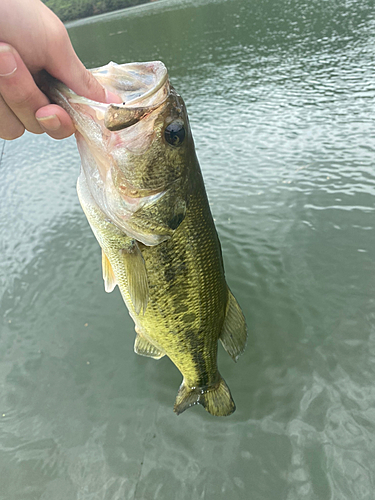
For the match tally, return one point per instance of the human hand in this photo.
(33, 39)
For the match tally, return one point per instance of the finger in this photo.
(55, 121)
(68, 68)
(19, 90)
(10, 126)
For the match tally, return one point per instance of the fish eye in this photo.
(174, 133)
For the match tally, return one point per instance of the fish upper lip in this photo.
(150, 92)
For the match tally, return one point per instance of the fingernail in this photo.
(49, 123)
(8, 63)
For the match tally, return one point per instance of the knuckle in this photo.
(58, 34)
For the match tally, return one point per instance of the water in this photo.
(280, 96)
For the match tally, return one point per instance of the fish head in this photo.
(136, 154)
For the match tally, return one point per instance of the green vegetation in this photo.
(67, 10)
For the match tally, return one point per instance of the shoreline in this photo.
(72, 10)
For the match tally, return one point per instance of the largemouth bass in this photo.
(142, 191)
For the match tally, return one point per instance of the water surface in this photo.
(280, 96)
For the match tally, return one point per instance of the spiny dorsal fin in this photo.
(108, 276)
(233, 335)
(143, 347)
(136, 273)
(216, 399)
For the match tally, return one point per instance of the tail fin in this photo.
(216, 399)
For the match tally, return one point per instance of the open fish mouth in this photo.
(150, 83)
(136, 83)
(142, 87)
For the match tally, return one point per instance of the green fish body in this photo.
(142, 191)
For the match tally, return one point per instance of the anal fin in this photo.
(108, 276)
(233, 336)
(144, 347)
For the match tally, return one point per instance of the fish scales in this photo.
(142, 191)
(198, 287)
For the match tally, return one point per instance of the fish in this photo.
(142, 191)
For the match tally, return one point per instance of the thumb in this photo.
(82, 82)
(65, 65)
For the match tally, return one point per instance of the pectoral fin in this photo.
(233, 335)
(122, 260)
(136, 274)
(143, 347)
(108, 276)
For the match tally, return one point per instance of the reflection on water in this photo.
(280, 96)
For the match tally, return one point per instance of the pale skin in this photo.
(33, 39)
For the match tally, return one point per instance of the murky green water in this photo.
(281, 101)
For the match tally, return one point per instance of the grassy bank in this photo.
(68, 10)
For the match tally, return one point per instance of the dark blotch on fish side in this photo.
(176, 221)
(188, 317)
